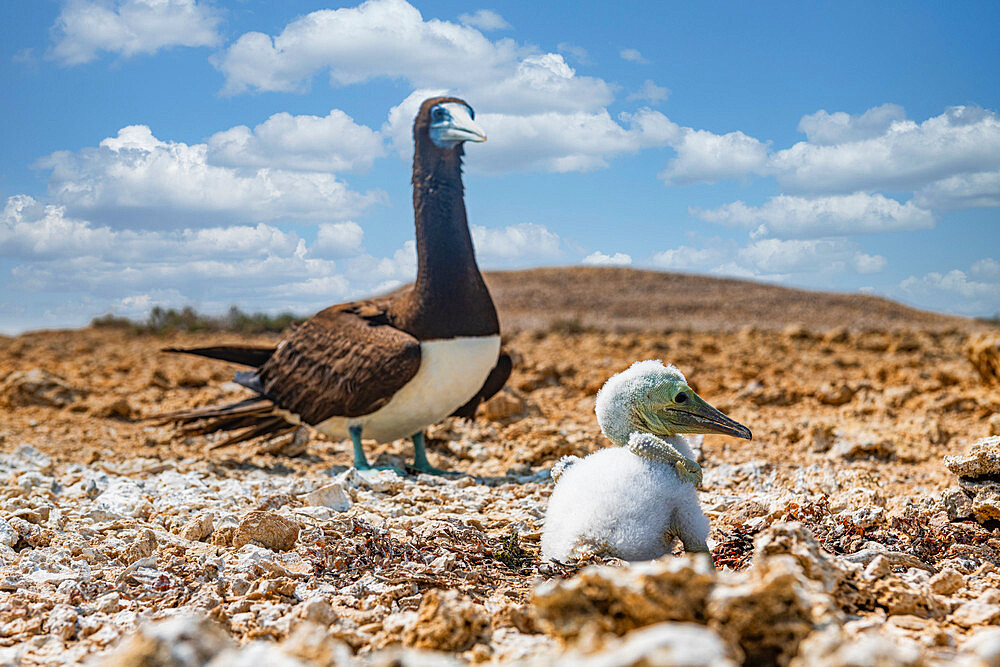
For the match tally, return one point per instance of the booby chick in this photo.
(384, 368)
(635, 500)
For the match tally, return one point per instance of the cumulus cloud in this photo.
(907, 155)
(135, 179)
(979, 190)
(974, 293)
(787, 216)
(705, 157)
(826, 129)
(484, 19)
(390, 39)
(130, 27)
(312, 143)
(687, 258)
(340, 239)
(633, 56)
(598, 258)
(526, 240)
(650, 92)
(550, 141)
(776, 256)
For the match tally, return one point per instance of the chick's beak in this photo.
(461, 127)
(697, 416)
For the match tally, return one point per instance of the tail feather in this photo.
(251, 418)
(246, 355)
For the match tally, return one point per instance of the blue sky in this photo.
(255, 153)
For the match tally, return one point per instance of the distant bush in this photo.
(166, 320)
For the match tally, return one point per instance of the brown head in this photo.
(444, 124)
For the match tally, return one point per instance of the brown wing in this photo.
(345, 361)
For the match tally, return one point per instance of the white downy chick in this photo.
(635, 500)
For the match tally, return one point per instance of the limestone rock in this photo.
(142, 546)
(957, 503)
(447, 621)
(866, 446)
(617, 600)
(198, 528)
(661, 644)
(771, 611)
(985, 498)
(946, 582)
(38, 387)
(982, 460)
(794, 539)
(973, 613)
(983, 352)
(833, 648)
(333, 496)
(266, 529)
(182, 641)
(899, 597)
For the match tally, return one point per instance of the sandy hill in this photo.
(630, 299)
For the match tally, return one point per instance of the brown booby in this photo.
(385, 368)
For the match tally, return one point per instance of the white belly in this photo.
(451, 372)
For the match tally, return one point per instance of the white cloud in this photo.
(134, 179)
(484, 19)
(633, 56)
(130, 27)
(577, 53)
(908, 155)
(330, 143)
(341, 239)
(811, 256)
(550, 141)
(598, 258)
(515, 242)
(979, 190)
(705, 157)
(390, 39)
(686, 258)
(787, 216)
(955, 292)
(650, 92)
(826, 129)
(986, 269)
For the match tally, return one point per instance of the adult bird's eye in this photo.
(681, 398)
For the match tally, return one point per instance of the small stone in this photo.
(957, 503)
(181, 640)
(61, 622)
(316, 610)
(266, 529)
(8, 536)
(835, 394)
(198, 528)
(109, 603)
(946, 582)
(973, 613)
(878, 568)
(143, 546)
(114, 408)
(333, 496)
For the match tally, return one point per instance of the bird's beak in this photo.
(697, 416)
(459, 127)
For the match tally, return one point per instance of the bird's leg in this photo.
(360, 460)
(420, 462)
(649, 446)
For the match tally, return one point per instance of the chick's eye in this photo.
(681, 398)
(472, 114)
(438, 114)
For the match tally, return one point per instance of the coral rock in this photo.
(198, 528)
(974, 613)
(144, 545)
(984, 353)
(661, 644)
(182, 641)
(957, 503)
(333, 496)
(266, 529)
(982, 460)
(618, 600)
(946, 582)
(447, 621)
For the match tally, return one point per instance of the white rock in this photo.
(332, 495)
(8, 536)
(123, 498)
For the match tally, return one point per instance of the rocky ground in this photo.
(841, 533)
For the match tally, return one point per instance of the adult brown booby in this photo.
(385, 368)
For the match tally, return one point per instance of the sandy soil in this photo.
(853, 402)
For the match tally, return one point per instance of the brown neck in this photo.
(449, 297)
